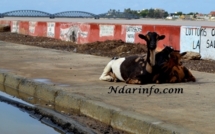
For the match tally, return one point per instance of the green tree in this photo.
(144, 13)
(131, 12)
(157, 14)
(127, 10)
(179, 13)
(151, 13)
(191, 13)
(165, 14)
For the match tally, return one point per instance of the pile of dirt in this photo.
(108, 48)
(111, 48)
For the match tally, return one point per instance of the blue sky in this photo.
(102, 6)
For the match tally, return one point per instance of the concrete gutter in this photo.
(118, 118)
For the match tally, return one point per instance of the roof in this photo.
(212, 13)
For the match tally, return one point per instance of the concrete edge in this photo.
(121, 119)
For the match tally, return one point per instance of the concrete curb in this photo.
(12, 80)
(27, 87)
(125, 120)
(69, 101)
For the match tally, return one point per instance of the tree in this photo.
(144, 13)
(179, 13)
(128, 10)
(157, 14)
(131, 13)
(151, 13)
(191, 13)
(165, 14)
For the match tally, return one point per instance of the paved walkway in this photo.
(79, 73)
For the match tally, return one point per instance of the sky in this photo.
(102, 6)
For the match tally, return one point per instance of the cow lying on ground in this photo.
(173, 71)
(134, 69)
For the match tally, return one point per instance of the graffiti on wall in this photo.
(130, 33)
(51, 29)
(198, 39)
(190, 38)
(207, 48)
(15, 27)
(32, 25)
(72, 33)
(106, 30)
(210, 39)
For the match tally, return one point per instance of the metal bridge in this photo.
(74, 14)
(66, 14)
(26, 13)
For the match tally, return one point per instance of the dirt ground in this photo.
(108, 48)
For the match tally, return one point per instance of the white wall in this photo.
(198, 39)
